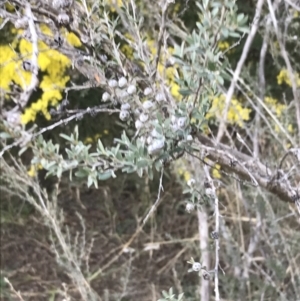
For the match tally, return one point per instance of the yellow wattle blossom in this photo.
(215, 172)
(223, 45)
(73, 39)
(280, 111)
(51, 62)
(236, 114)
(114, 3)
(88, 140)
(283, 77)
(276, 107)
(290, 128)
(186, 175)
(33, 169)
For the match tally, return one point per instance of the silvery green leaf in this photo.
(102, 176)
(129, 169)
(185, 92)
(142, 163)
(59, 171)
(66, 137)
(81, 173)
(140, 172)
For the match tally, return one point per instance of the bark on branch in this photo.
(248, 169)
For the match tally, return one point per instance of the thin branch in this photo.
(158, 199)
(217, 229)
(24, 97)
(247, 169)
(262, 87)
(239, 67)
(287, 62)
(160, 36)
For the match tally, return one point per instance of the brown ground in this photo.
(111, 215)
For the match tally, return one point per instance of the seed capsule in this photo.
(112, 83)
(147, 91)
(160, 97)
(138, 124)
(131, 89)
(122, 82)
(189, 138)
(63, 18)
(196, 266)
(189, 207)
(125, 107)
(123, 94)
(124, 115)
(191, 182)
(156, 146)
(147, 105)
(105, 96)
(144, 117)
(181, 122)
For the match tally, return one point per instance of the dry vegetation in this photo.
(170, 133)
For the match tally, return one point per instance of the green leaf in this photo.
(142, 163)
(240, 17)
(224, 32)
(102, 176)
(185, 92)
(59, 171)
(82, 173)
(234, 34)
(140, 172)
(90, 181)
(66, 137)
(22, 150)
(129, 169)
(101, 147)
(4, 135)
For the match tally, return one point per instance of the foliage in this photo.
(185, 86)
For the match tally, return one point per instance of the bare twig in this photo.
(239, 67)
(217, 229)
(158, 199)
(287, 61)
(24, 98)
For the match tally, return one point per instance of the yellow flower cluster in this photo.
(216, 172)
(11, 69)
(223, 45)
(236, 114)
(168, 73)
(186, 175)
(51, 62)
(91, 140)
(33, 169)
(54, 64)
(278, 109)
(114, 3)
(283, 77)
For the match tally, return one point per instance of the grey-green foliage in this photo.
(164, 129)
(202, 64)
(171, 296)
